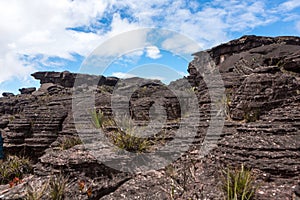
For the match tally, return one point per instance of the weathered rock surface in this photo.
(262, 107)
(27, 90)
(261, 77)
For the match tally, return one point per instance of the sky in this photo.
(64, 34)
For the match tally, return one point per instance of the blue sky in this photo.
(59, 35)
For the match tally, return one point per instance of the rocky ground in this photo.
(261, 77)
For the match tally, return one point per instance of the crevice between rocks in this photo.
(106, 191)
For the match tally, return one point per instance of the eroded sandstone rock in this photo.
(262, 101)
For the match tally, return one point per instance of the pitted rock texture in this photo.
(261, 76)
(262, 84)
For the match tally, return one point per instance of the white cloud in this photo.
(211, 24)
(289, 5)
(39, 28)
(153, 52)
(243, 15)
(129, 59)
(123, 43)
(123, 75)
(11, 67)
(179, 44)
(129, 75)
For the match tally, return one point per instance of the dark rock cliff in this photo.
(261, 78)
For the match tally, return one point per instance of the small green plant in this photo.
(238, 184)
(191, 90)
(69, 142)
(109, 122)
(126, 136)
(34, 192)
(144, 89)
(14, 167)
(130, 142)
(11, 118)
(97, 118)
(57, 186)
(105, 88)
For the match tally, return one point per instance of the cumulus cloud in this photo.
(122, 43)
(153, 52)
(15, 68)
(40, 28)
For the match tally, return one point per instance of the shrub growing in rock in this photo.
(130, 142)
(238, 184)
(97, 118)
(69, 142)
(36, 192)
(14, 167)
(58, 186)
(125, 137)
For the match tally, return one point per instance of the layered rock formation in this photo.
(262, 81)
(261, 78)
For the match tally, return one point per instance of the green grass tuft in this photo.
(69, 142)
(35, 192)
(130, 142)
(14, 167)
(57, 186)
(97, 118)
(238, 184)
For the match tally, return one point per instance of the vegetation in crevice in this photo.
(238, 184)
(69, 142)
(251, 115)
(97, 118)
(57, 186)
(14, 167)
(34, 192)
(126, 134)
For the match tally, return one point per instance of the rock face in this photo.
(262, 81)
(261, 77)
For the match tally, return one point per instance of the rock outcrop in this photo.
(261, 78)
(27, 90)
(262, 101)
(67, 79)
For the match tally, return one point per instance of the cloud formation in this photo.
(153, 52)
(128, 75)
